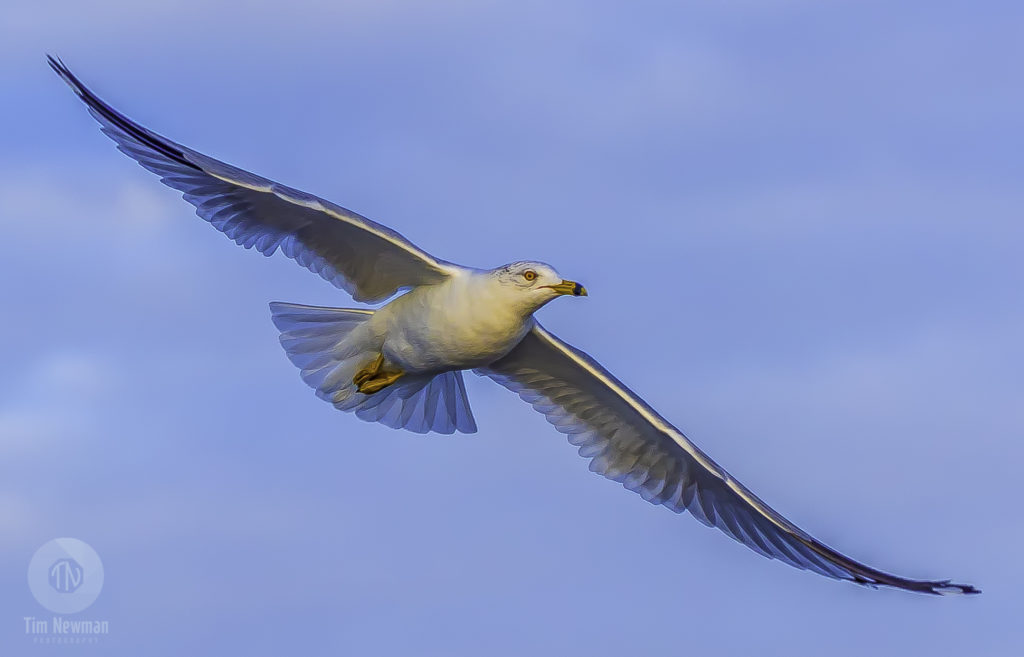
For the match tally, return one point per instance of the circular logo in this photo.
(65, 575)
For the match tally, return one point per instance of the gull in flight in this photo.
(401, 365)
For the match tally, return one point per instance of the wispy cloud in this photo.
(52, 402)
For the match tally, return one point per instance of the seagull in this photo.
(401, 364)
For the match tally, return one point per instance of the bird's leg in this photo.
(373, 377)
(368, 372)
(379, 382)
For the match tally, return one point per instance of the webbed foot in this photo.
(368, 372)
(381, 381)
(373, 378)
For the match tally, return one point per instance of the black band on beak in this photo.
(577, 290)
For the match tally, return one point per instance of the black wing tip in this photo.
(941, 587)
(949, 588)
(122, 123)
(61, 69)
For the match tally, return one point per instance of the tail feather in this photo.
(329, 345)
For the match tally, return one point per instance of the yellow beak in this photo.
(569, 287)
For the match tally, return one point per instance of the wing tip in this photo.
(111, 118)
(949, 588)
(943, 587)
(61, 69)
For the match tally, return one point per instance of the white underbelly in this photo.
(429, 331)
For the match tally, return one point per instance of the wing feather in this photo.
(630, 443)
(369, 261)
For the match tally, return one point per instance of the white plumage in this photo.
(402, 364)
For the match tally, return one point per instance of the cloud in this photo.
(17, 516)
(53, 401)
(89, 228)
(40, 202)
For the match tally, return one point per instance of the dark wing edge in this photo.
(369, 261)
(627, 441)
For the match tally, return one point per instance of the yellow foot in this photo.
(379, 382)
(368, 372)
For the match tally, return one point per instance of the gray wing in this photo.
(628, 442)
(369, 261)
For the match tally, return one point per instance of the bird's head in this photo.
(532, 284)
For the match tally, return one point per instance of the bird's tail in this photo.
(330, 345)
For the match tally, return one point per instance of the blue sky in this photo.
(799, 223)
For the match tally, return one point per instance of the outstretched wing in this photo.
(369, 261)
(628, 442)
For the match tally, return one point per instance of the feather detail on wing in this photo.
(628, 442)
(369, 261)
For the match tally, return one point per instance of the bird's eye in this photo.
(530, 275)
